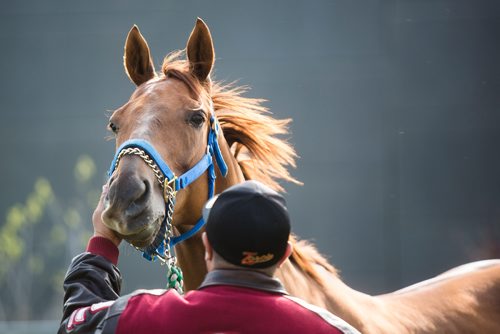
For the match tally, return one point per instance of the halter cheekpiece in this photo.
(171, 184)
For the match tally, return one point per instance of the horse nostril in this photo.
(139, 202)
(128, 196)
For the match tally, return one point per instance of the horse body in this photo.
(462, 300)
(171, 109)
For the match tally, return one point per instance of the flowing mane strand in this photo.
(252, 134)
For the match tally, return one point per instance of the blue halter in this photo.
(176, 183)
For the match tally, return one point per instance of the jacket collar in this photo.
(243, 278)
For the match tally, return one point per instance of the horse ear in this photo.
(200, 50)
(137, 59)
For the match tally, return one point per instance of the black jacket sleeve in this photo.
(91, 286)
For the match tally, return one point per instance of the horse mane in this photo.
(254, 137)
(252, 134)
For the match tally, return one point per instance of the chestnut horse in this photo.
(172, 111)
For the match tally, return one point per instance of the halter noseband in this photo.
(171, 184)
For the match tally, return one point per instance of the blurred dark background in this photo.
(396, 120)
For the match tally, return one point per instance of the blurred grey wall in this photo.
(395, 107)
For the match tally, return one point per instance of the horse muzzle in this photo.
(134, 208)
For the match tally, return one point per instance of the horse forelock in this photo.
(174, 67)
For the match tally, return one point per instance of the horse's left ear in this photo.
(200, 51)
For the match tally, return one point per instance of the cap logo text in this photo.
(251, 258)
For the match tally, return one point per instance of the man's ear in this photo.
(209, 252)
(288, 252)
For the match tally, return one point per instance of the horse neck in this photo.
(191, 252)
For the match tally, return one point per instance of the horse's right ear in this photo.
(200, 51)
(137, 59)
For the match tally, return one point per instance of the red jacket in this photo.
(228, 301)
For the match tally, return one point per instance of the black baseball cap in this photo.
(248, 225)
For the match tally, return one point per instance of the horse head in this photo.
(186, 119)
(172, 112)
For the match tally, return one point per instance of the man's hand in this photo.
(100, 229)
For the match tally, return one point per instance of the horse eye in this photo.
(112, 126)
(196, 119)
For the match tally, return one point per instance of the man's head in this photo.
(248, 226)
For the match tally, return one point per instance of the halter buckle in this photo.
(215, 126)
(169, 189)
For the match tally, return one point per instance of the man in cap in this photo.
(246, 240)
